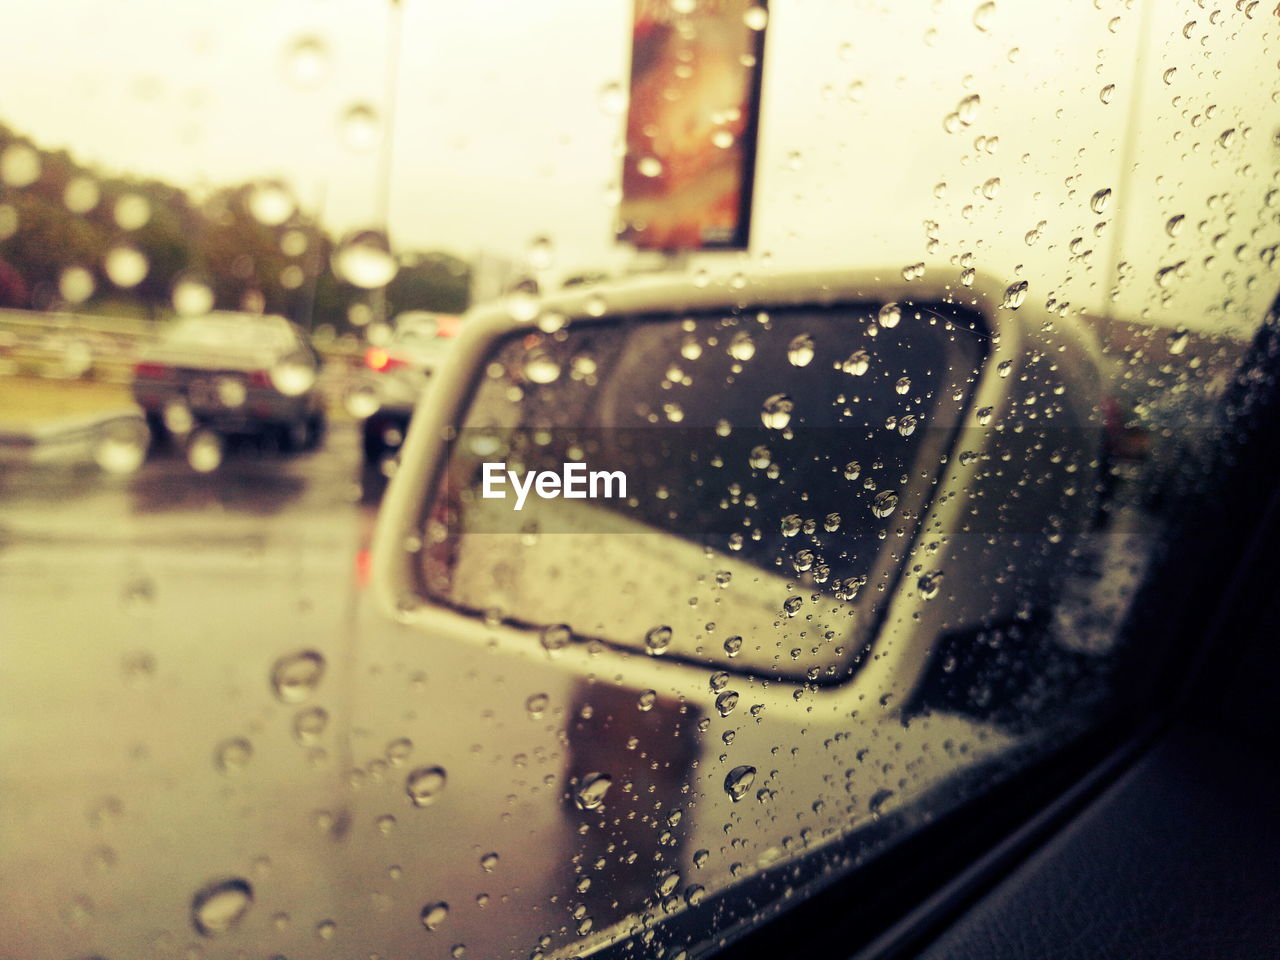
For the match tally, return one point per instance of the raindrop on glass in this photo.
(739, 781)
(424, 785)
(219, 906)
(295, 676)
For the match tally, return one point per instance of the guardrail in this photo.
(74, 346)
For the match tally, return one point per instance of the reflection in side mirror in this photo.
(776, 466)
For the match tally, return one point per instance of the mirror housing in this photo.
(984, 548)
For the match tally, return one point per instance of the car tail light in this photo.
(448, 326)
(150, 371)
(380, 361)
(260, 378)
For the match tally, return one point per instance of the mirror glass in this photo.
(700, 519)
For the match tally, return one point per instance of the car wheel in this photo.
(160, 435)
(292, 437)
(374, 447)
(315, 430)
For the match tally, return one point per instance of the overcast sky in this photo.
(499, 134)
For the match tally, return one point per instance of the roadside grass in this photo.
(31, 399)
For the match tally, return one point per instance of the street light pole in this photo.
(378, 299)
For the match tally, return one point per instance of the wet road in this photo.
(148, 755)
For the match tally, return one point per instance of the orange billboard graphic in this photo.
(691, 124)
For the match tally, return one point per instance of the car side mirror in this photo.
(796, 479)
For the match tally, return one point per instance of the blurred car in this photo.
(393, 376)
(232, 374)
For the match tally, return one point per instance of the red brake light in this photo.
(380, 361)
(260, 378)
(150, 371)
(448, 326)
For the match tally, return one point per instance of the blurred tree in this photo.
(278, 268)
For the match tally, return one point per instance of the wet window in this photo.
(525, 480)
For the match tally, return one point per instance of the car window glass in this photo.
(276, 682)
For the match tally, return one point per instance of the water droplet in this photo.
(1099, 201)
(857, 363)
(309, 724)
(81, 194)
(742, 347)
(1178, 341)
(219, 906)
(760, 457)
(726, 702)
(967, 109)
(386, 823)
(929, 584)
(1015, 294)
(295, 676)
(983, 16)
(739, 781)
(306, 62)
(612, 99)
(591, 791)
(646, 700)
(991, 188)
(907, 425)
(361, 127)
(852, 470)
(878, 800)
(131, 211)
(756, 18)
(540, 367)
(424, 785)
(76, 284)
(126, 266)
(1227, 137)
(537, 704)
(271, 203)
(657, 640)
(1107, 92)
(434, 914)
(489, 862)
(122, 446)
(363, 259)
(192, 296)
(1174, 225)
(1169, 74)
(890, 316)
(800, 350)
(19, 165)
(231, 756)
(1004, 368)
(903, 386)
(556, 636)
(649, 166)
(884, 503)
(791, 606)
(522, 301)
(733, 646)
(776, 412)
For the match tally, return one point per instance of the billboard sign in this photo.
(691, 124)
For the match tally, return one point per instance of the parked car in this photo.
(232, 374)
(392, 378)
